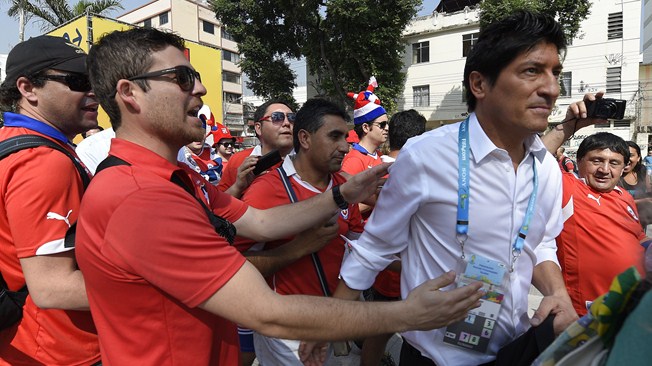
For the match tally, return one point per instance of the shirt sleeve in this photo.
(547, 249)
(384, 235)
(41, 200)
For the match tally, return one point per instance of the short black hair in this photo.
(405, 125)
(501, 42)
(311, 117)
(601, 141)
(10, 95)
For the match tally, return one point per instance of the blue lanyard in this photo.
(463, 193)
(19, 120)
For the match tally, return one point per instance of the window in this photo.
(230, 77)
(147, 23)
(226, 35)
(565, 84)
(615, 26)
(468, 41)
(622, 123)
(613, 79)
(232, 98)
(420, 52)
(208, 27)
(163, 18)
(230, 56)
(421, 95)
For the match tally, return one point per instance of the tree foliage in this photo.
(569, 13)
(53, 13)
(344, 42)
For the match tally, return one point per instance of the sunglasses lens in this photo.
(291, 117)
(79, 83)
(185, 78)
(383, 125)
(277, 117)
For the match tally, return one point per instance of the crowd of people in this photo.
(176, 253)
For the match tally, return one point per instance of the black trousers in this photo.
(411, 356)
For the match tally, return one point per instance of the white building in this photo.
(3, 68)
(194, 20)
(605, 56)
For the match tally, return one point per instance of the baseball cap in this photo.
(42, 53)
(221, 132)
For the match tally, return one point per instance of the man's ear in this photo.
(258, 127)
(26, 88)
(127, 94)
(478, 84)
(304, 139)
(366, 128)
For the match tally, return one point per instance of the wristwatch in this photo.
(339, 200)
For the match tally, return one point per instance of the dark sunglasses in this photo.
(279, 117)
(226, 144)
(382, 125)
(183, 75)
(76, 82)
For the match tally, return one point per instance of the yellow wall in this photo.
(206, 60)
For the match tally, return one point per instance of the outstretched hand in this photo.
(364, 184)
(432, 308)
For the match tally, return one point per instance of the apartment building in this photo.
(194, 20)
(605, 56)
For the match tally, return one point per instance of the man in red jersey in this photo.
(48, 92)
(153, 237)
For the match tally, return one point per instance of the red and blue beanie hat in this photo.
(367, 105)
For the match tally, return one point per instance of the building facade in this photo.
(605, 56)
(194, 20)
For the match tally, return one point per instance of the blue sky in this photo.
(9, 26)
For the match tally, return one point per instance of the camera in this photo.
(605, 108)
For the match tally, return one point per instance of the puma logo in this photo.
(56, 216)
(597, 199)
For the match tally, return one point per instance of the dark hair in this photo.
(503, 41)
(10, 95)
(121, 55)
(639, 169)
(601, 141)
(311, 117)
(404, 125)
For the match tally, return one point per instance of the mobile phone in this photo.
(267, 161)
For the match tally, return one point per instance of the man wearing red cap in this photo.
(224, 143)
(49, 95)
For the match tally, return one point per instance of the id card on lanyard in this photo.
(475, 331)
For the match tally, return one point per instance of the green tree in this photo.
(569, 13)
(53, 13)
(344, 42)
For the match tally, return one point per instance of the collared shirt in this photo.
(95, 148)
(415, 216)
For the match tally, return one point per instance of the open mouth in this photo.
(90, 108)
(194, 112)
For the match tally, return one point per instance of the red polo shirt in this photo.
(150, 256)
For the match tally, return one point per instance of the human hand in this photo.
(315, 238)
(577, 111)
(432, 308)
(245, 175)
(561, 307)
(364, 184)
(313, 353)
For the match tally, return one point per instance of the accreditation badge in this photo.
(474, 332)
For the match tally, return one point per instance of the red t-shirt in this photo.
(300, 277)
(41, 191)
(601, 238)
(150, 256)
(230, 171)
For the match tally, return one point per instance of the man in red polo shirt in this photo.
(48, 92)
(160, 275)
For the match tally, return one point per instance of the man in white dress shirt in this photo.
(481, 191)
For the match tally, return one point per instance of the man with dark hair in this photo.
(602, 233)
(273, 122)
(153, 238)
(496, 207)
(403, 126)
(313, 267)
(48, 94)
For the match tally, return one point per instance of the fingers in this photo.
(442, 281)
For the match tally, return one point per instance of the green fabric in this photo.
(632, 344)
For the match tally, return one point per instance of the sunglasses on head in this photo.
(279, 117)
(382, 125)
(76, 82)
(183, 75)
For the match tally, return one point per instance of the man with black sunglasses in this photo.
(46, 93)
(160, 274)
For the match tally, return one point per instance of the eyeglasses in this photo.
(279, 117)
(183, 75)
(226, 144)
(382, 125)
(76, 82)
